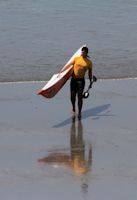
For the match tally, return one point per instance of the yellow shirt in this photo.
(81, 65)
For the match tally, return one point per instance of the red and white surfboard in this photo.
(57, 81)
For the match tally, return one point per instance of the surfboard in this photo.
(57, 81)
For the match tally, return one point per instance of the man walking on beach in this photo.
(81, 64)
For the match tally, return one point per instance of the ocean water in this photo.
(37, 37)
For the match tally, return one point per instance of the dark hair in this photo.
(85, 49)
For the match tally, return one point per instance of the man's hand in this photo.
(91, 81)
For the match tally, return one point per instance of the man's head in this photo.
(84, 51)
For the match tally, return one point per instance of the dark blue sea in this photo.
(37, 37)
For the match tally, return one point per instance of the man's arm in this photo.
(90, 74)
(66, 67)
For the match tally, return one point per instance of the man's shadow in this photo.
(92, 112)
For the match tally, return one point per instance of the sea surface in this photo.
(37, 37)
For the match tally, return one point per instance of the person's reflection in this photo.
(78, 149)
(76, 160)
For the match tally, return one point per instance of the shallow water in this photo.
(38, 37)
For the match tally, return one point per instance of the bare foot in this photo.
(73, 113)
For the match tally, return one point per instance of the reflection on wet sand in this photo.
(79, 162)
(77, 159)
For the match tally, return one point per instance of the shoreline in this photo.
(42, 81)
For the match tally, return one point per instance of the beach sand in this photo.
(38, 138)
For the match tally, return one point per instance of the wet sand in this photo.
(47, 154)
